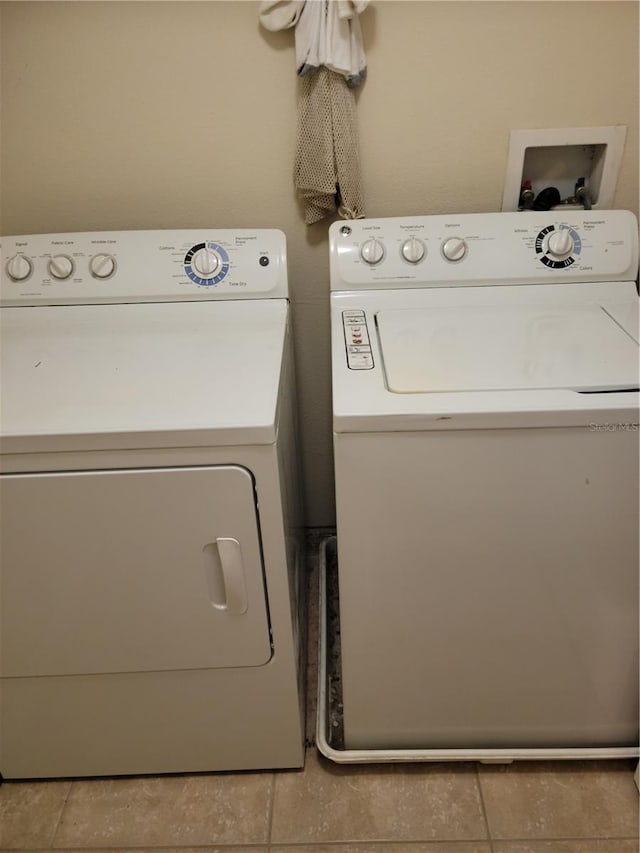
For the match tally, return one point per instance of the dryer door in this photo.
(131, 571)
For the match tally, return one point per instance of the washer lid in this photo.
(144, 375)
(464, 348)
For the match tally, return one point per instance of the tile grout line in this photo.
(484, 807)
(59, 821)
(545, 839)
(272, 803)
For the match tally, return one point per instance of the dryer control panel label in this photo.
(356, 339)
(143, 266)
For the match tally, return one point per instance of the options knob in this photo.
(560, 244)
(102, 265)
(60, 266)
(372, 251)
(454, 249)
(205, 262)
(19, 267)
(413, 250)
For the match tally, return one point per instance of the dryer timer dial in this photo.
(206, 262)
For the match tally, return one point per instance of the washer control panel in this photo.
(484, 248)
(142, 266)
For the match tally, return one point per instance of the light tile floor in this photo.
(568, 807)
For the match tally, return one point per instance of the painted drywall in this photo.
(181, 114)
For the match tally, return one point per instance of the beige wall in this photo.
(178, 114)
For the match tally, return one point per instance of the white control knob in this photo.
(454, 249)
(60, 266)
(19, 267)
(205, 263)
(560, 244)
(413, 250)
(102, 265)
(372, 251)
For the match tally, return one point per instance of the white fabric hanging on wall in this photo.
(330, 61)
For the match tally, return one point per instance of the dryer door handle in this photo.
(224, 572)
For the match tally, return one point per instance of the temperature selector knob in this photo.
(206, 262)
(60, 267)
(560, 244)
(102, 265)
(19, 267)
(454, 249)
(413, 250)
(372, 251)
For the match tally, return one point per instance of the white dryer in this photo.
(150, 575)
(485, 411)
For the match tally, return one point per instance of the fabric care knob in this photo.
(60, 267)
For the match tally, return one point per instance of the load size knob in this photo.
(413, 250)
(205, 262)
(372, 251)
(19, 267)
(454, 249)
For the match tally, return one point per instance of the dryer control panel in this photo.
(528, 247)
(142, 266)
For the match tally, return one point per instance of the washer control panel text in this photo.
(491, 248)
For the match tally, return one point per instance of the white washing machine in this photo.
(150, 574)
(485, 411)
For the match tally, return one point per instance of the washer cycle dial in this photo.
(206, 264)
(560, 244)
(558, 248)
